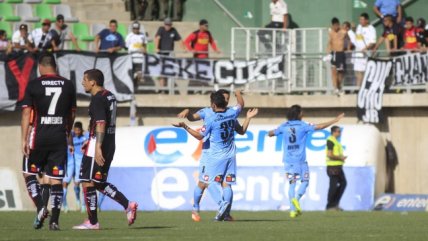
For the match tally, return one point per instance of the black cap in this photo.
(203, 22)
(59, 17)
(23, 26)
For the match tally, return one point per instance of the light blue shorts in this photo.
(73, 169)
(219, 171)
(297, 171)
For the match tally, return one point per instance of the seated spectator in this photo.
(109, 39)
(422, 33)
(60, 33)
(409, 36)
(42, 38)
(4, 43)
(21, 40)
(389, 36)
(136, 43)
(199, 41)
(389, 7)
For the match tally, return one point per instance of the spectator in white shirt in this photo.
(279, 20)
(4, 44)
(42, 38)
(136, 43)
(21, 40)
(364, 40)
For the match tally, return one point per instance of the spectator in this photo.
(60, 33)
(409, 35)
(364, 40)
(163, 9)
(4, 43)
(136, 8)
(42, 39)
(109, 39)
(165, 38)
(389, 7)
(177, 14)
(149, 10)
(389, 36)
(199, 41)
(422, 33)
(136, 43)
(336, 45)
(21, 40)
(279, 20)
(347, 26)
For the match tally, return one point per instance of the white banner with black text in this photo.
(411, 69)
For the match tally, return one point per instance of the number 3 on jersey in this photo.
(228, 128)
(56, 91)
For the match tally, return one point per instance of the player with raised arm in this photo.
(294, 133)
(53, 100)
(220, 165)
(202, 114)
(99, 151)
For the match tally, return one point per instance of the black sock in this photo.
(56, 201)
(46, 191)
(91, 203)
(33, 188)
(111, 191)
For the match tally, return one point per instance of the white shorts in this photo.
(360, 63)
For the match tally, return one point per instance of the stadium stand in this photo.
(65, 11)
(8, 13)
(25, 11)
(6, 26)
(44, 11)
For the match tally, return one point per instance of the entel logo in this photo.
(316, 141)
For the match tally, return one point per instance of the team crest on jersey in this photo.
(33, 168)
(98, 176)
(230, 178)
(55, 171)
(203, 129)
(218, 178)
(206, 178)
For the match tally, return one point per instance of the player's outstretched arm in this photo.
(239, 98)
(329, 123)
(250, 114)
(271, 133)
(25, 125)
(192, 132)
(190, 116)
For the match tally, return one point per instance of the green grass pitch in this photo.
(317, 226)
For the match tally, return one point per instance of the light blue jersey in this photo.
(294, 140)
(205, 113)
(74, 161)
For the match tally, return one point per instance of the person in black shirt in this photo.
(99, 151)
(422, 33)
(389, 36)
(53, 99)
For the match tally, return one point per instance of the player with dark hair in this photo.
(73, 166)
(99, 151)
(220, 164)
(203, 114)
(294, 133)
(53, 99)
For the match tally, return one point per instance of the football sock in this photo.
(228, 196)
(302, 189)
(46, 191)
(197, 195)
(33, 188)
(291, 194)
(214, 189)
(77, 192)
(56, 201)
(90, 194)
(64, 198)
(112, 192)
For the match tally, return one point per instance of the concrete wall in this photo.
(407, 116)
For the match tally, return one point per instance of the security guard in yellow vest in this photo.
(335, 161)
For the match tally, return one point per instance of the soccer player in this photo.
(53, 99)
(202, 114)
(73, 166)
(99, 151)
(220, 165)
(294, 133)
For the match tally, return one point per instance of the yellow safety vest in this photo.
(337, 151)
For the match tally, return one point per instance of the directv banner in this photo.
(401, 202)
(218, 71)
(157, 166)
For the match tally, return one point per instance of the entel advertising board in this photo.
(157, 167)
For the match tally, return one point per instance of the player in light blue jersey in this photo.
(73, 165)
(203, 114)
(294, 133)
(220, 158)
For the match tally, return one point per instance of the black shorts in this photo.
(338, 60)
(52, 163)
(91, 171)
